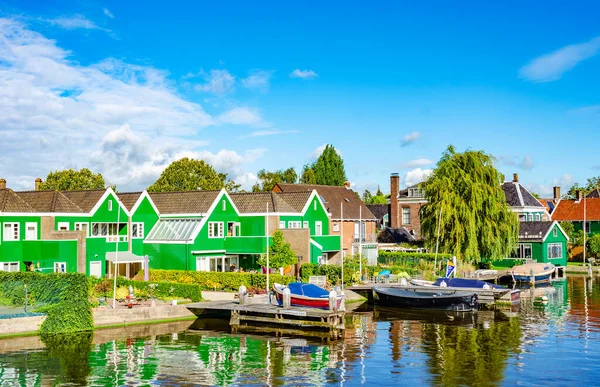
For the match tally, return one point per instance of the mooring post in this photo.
(287, 298)
(332, 300)
(590, 270)
(532, 277)
(242, 295)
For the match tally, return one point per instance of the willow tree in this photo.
(476, 222)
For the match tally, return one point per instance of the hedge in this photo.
(333, 272)
(165, 289)
(219, 280)
(407, 259)
(63, 297)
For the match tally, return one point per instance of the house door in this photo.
(31, 232)
(96, 269)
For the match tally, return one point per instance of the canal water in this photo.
(545, 343)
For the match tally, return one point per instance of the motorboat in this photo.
(541, 272)
(306, 295)
(416, 299)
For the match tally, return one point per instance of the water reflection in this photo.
(553, 341)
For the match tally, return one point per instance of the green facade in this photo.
(540, 250)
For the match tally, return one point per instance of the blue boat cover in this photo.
(384, 273)
(466, 283)
(307, 290)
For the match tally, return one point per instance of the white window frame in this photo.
(407, 210)
(550, 248)
(315, 205)
(14, 234)
(6, 266)
(336, 227)
(223, 205)
(57, 265)
(555, 232)
(537, 217)
(79, 226)
(282, 224)
(139, 226)
(211, 231)
(318, 228)
(294, 224)
(62, 224)
(110, 206)
(530, 217)
(35, 226)
(305, 224)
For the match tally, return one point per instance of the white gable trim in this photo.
(109, 191)
(555, 223)
(140, 200)
(212, 207)
(309, 201)
(316, 244)
(40, 214)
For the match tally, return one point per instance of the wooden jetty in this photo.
(485, 297)
(259, 316)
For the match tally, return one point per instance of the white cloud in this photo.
(75, 22)
(546, 190)
(242, 116)
(551, 67)
(108, 13)
(416, 175)
(257, 79)
(217, 81)
(420, 162)
(525, 163)
(260, 133)
(319, 150)
(410, 138)
(125, 121)
(304, 74)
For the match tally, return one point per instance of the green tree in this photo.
(593, 245)
(268, 179)
(71, 180)
(280, 252)
(476, 220)
(379, 198)
(329, 168)
(568, 228)
(190, 175)
(308, 175)
(367, 197)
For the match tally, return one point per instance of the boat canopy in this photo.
(307, 290)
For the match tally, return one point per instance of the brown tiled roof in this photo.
(332, 196)
(379, 210)
(10, 202)
(186, 202)
(296, 199)
(49, 201)
(256, 202)
(533, 231)
(571, 210)
(518, 196)
(594, 193)
(86, 199)
(129, 199)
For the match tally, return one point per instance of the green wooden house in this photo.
(540, 238)
(97, 231)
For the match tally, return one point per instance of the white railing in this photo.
(365, 238)
(115, 238)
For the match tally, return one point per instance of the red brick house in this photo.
(405, 206)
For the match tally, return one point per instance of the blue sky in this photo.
(124, 87)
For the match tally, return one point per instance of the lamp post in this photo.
(342, 238)
(584, 224)
(267, 247)
(116, 254)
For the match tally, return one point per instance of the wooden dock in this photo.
(258, 316)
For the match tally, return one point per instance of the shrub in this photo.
(62, 296)
(221, 281)
(407, 259)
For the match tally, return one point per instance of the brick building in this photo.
(405, 206)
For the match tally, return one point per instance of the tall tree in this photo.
(367, 198)
(71, 180)
(329, 167)
(268, 179)
(190, 175)
(308, 175)
(476, 221)
(280, 252)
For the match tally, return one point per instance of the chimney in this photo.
(515, 177)
(347, 184)
(394, 188)
(2, 184)
(38, 181)
(556, 193)
(579, 195)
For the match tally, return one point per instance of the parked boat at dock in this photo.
(306, 295)
(439, 299)
(541, 272)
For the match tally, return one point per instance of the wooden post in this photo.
(332, 300)
(532, 277)
(242, 295)
(287, 298)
